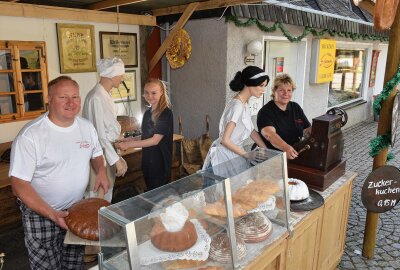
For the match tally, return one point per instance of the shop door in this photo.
(282, 56)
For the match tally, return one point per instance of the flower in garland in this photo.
(180, 49)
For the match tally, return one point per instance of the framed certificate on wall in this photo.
(76, 48)
(121, 45)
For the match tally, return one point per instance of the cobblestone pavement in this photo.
(387, 249)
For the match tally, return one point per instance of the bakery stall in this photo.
(237, 215)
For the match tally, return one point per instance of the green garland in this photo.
(379, 143)
(387, 89)
(307, 30)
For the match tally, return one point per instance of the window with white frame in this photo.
(349, 76)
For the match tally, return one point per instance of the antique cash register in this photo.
(320, 163)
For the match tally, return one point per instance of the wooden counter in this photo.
(317, 241)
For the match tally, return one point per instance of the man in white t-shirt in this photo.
(49, 170)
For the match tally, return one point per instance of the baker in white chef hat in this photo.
(110, 67)
(99, 108)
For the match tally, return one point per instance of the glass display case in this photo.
(222, 216)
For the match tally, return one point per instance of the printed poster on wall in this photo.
(326, 60)
(374, 63)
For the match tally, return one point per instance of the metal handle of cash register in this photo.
(306, 147)
(341, 112)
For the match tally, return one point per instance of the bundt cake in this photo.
(173, 241)
(172, 231)
(298, 190)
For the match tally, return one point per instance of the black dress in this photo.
(157, 159)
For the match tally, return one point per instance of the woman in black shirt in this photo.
(157, 136)
(282, 122)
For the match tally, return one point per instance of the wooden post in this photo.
(384, 127)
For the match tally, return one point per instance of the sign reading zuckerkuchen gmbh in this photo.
(381, 190)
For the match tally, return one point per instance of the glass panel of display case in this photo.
(145, 211)
(5, 60)
(194, 221)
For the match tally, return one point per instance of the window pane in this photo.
(6, 82)
(7, 104)
(32, 80)
(5, 59)
(347, 79)
(29, 59)
(34, 102)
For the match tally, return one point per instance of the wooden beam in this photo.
(111, 3)
(59, 13)
(181, 22)
(211, 4)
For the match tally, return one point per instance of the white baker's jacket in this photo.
(99, 109)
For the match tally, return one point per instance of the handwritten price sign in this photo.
(381, 190)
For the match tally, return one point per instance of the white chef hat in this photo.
(110, 67)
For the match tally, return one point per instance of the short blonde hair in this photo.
(57, 80)
(282, 79)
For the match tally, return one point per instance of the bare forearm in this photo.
(98, 165)
(133, 143)
(233, 147)
(257, 139)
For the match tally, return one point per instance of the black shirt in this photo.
(289, 124)
(164, 126)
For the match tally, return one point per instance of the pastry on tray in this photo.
(254, 228)
(173, 232)
(218, 209)
(83, 220)
(220, 249)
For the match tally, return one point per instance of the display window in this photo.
(348, 79)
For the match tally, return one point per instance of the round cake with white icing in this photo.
(298, 190)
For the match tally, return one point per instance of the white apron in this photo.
(238, 113)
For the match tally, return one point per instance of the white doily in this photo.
(265, 206)
(149, 254)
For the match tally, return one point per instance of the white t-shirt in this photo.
(99, 109)
(54, 159)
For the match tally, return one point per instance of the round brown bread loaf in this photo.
(83, 220)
